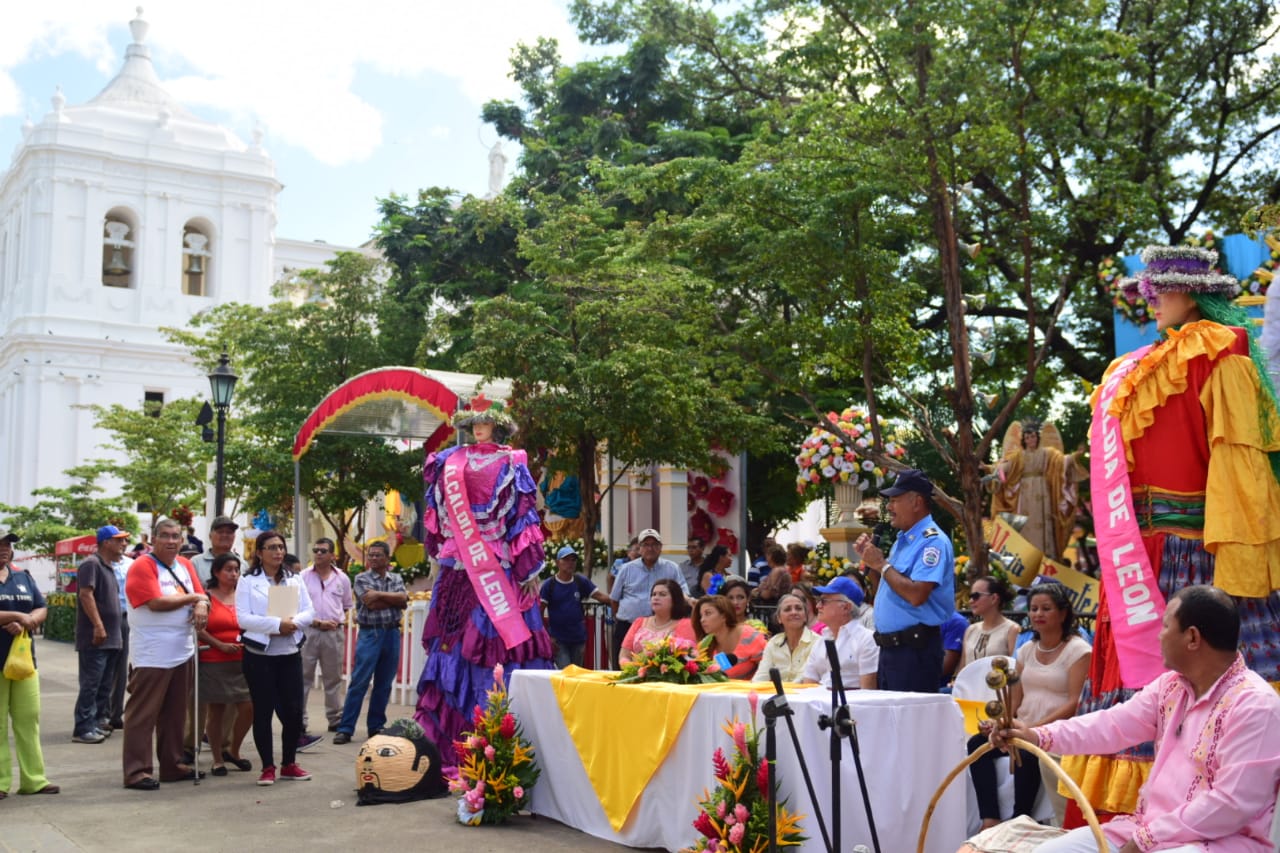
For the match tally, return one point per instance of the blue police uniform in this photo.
(909, 637)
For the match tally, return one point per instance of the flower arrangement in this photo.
(1134, 308)
(183, 515)
(823, 569)
(839, 456)
(673, 660)
(550, 547)
(735, 817)
(496, 766)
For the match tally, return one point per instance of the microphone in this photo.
(726, 660)
(882, 536)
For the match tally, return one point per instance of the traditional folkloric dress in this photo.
(462, 642)
(1207, 506)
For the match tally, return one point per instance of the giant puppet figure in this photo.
(1183, 454)
(482, 525)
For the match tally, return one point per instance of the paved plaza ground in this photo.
(94, 812)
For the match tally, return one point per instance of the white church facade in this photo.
(118, 217)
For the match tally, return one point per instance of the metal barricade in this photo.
(413, 657)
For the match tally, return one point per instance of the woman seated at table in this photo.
(738, 591)
(717, 629)
(992, 634)
(670, 617)
(789, 649)
(1051, 669)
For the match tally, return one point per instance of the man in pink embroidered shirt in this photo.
(1216, 729)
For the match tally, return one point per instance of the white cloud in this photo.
(293, 65)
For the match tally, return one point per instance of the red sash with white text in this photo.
(1134, 600)
(493, 588)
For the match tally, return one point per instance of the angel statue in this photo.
(1037, 479)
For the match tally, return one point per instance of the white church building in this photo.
(118, 217)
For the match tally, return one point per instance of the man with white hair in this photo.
(855, 646)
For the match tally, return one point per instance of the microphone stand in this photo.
(777, 706)
(841, 724)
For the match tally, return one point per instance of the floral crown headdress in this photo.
(1179, 269)
(480, 411)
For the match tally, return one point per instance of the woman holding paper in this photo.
(1188, 496)
(482, 525)
(273, 609)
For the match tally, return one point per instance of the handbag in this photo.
(20, 664)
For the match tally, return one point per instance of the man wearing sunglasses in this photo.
(330, 592)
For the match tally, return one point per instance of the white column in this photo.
(673, 510)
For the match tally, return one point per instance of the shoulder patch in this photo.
(931, 532)
(931, 556)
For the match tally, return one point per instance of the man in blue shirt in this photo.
(563, 595)
(916, 592)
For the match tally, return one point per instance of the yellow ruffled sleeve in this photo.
(1242, 497)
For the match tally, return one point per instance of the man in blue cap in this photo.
(98, 637)
(562, 597)
(916, 593)
(855, 647)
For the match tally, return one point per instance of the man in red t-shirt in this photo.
(165, 601)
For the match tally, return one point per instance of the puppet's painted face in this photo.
(387, 764)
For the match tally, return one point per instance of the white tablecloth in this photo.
(909, 742)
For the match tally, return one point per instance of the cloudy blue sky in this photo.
(357, 100)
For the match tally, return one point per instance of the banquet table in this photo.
(908, 741)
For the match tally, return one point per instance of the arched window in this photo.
(197, 255)
(119, 246)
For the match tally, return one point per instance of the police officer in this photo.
(916, 592)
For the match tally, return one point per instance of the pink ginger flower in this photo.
(721, 764)
(508, 726)
(703, 824)
(741, 813)
(720, 810)
(490, 753)
(762, 779)
(691, 666)
(753, 699)
(498, 674)
(730, 819)
(740, 737)
(736, 834)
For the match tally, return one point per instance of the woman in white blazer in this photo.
(272, 654)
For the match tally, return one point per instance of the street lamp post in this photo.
(223, 382)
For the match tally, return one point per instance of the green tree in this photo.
(63, 513)
(608, 360)
(326, 328)
(165, 461)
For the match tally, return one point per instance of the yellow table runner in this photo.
(623, 732)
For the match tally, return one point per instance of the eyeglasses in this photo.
(275, 547)
(319, 550)
(974, 596)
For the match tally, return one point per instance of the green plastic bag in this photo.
(20, 664)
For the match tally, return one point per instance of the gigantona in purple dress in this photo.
(461, 641)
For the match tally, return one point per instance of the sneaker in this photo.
(268, 776)
(307, 741)
(92, 736)
(341, 738)
(294, 773)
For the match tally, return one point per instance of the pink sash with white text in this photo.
(1134, 600)
(487, 576)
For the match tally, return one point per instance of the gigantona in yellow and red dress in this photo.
(1208, 507)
